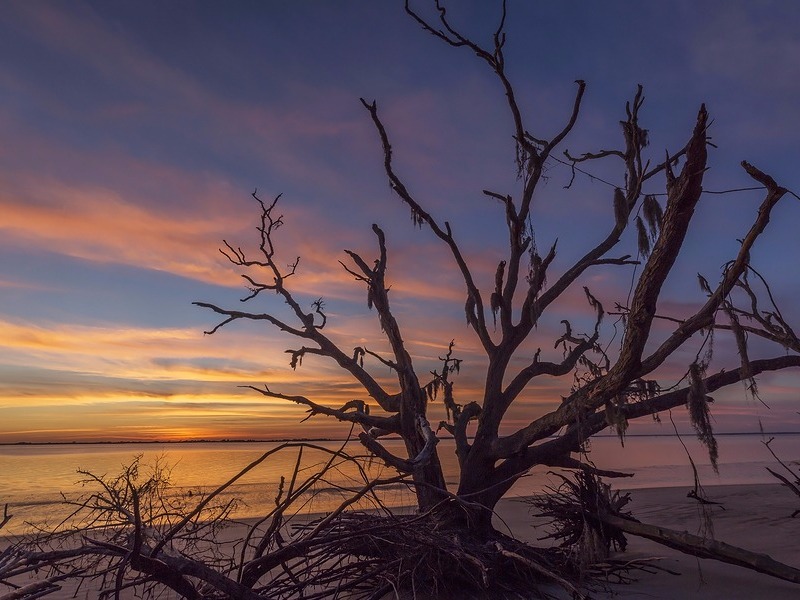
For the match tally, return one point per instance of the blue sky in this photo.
(133, 134)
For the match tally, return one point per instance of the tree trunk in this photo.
(429, 484)
(480, 491)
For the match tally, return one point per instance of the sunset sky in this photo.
(132, 135)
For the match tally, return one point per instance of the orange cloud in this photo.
(98, 225)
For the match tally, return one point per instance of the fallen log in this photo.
(37, 589)
(701, 547)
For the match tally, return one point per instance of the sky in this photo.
(134, 133)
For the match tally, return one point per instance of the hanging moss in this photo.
(653, 214)
(643, 238)
(615, 417)
(620, 208)
(699, 414)
(741, 347)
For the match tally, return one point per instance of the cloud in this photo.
(135, 417)
(108, 359)
(23, 285)
(99, 225)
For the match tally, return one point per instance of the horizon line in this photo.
(333, 439)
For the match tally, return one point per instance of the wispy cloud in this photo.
(99, 225)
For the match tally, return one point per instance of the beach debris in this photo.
(131, 531)
(571, 508)
(704, 547)
(794, 486)
(589, 517)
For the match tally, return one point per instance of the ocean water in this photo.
(34, 477)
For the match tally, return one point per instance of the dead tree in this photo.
(610, 389)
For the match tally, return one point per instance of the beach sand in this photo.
(756, 517)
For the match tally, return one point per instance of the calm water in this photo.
(33, 477)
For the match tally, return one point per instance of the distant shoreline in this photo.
(315, 440)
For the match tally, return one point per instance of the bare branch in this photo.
(576, 109)
(476, 317)
(346, 413)
(233, 315)
(624, 201)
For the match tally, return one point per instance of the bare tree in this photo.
(609, 388)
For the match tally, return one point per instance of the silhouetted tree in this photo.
(609, 389)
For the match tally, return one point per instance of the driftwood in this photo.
(794, 486)
(704, 547)
(37, 589)
(132, 531)
(587, 515)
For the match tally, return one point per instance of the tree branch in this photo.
(404, 465)
(733, 271)
(360, 415)
(593, 423)
(475, 315)
(684, 194)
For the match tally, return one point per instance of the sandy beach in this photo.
(755, 517)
